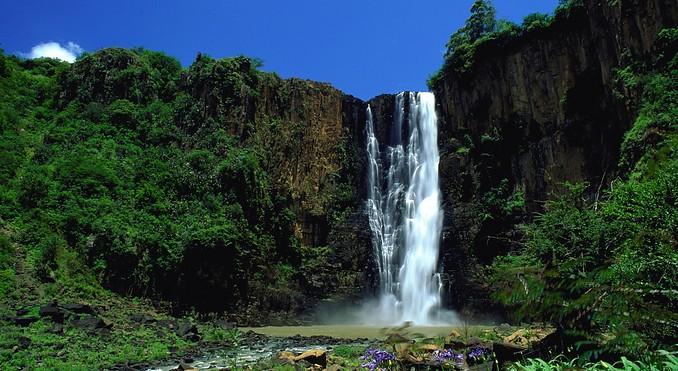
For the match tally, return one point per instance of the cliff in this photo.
(529, 115)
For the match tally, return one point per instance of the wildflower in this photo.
(447, 355)
(478, 352)
(376, 357)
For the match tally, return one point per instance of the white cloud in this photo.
(68, 52)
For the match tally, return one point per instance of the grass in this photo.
(80, 350)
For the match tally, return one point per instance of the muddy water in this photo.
(352, 332)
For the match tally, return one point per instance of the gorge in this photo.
(533, 183)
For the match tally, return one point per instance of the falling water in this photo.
(405, 213)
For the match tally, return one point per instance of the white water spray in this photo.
(405, 213)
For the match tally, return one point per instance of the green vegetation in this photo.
(482, 31)
(603, 267)
(38, 348)
(138, 172)
(661, 361)
(124, 175)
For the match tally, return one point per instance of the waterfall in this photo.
(404, 211)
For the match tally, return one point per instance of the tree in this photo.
(482, 19)
(481, 22)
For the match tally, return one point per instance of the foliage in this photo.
(482, 30)
(482, 19)
(663, 360)
(500, 202)
(139, 173)
(78, 350)
(605, 269)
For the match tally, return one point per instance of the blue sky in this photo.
(362, 47)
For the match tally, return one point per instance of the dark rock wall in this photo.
(535, 113)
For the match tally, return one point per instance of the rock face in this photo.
(527, 117)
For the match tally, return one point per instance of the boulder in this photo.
(24, 321)
(185, 367)
(52, 311)
(142, 318)
(57, 329)
(396, 339)
(89, 323)
(78, 308)
(286, 357)
(428, 347)
(313, 356)
(187, 331)
(168, 323)
(507, 352)
(224, 324)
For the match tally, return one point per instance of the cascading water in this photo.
(405, 213)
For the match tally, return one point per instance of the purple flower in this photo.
(447, 355)
(478, 352)
(375, 358)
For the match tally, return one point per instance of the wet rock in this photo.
(185, 367)
(52, 311)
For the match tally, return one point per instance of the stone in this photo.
(397, 338)
(286, 357)
(24, 342)
(24, 321)
(313, 356)
(185, 328)
(454, 344)
(52, 311)
(504, 327)
(142, 318)
(185, 367)
(223, 324)
(168, 323)
(486, 366)
(507, 352)
(429, 347)
(89, 323)
(57, 329)
(78, 308)
(474, 341)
